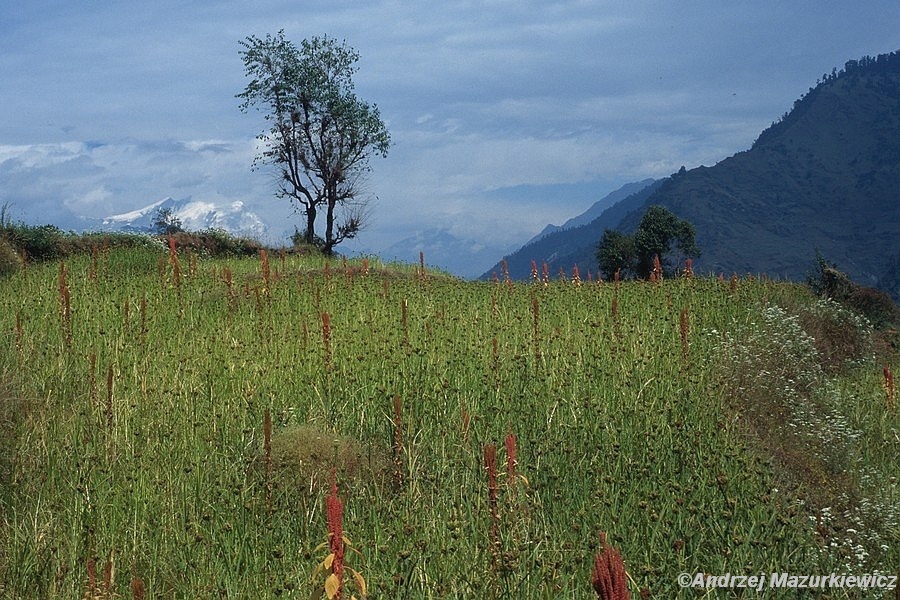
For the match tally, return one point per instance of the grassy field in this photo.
(706, 426)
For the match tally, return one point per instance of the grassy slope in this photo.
(143, 437)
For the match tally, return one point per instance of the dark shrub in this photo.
(40, 242)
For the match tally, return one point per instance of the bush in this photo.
(10, 262)
(217, 242)
(40, 242)
(876, 305)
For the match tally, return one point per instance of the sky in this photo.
(504, 115)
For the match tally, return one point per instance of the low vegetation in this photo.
(177, 425)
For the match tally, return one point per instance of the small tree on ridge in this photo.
(656, 235)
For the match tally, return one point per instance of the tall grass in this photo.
(203, 464)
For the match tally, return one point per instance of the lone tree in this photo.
(321, 134)
(658, 231)
(166, 222)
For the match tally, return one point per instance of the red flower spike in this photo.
(609, 578)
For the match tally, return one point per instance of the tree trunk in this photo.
(330, 202)
(310, 232)
(329, 229)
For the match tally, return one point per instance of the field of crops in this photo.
(171, 426)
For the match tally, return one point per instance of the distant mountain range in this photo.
(825, 177)
(575, 242)
(456, 255)
(596, 209)
(195, 215)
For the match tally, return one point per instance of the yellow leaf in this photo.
(525, 479)
(321, 546)
(346, 540)
(328, 560)
(360, 582)
(319, 568)
(331, 586)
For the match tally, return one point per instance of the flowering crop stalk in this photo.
(609, 578)
(229, 284)
(326, 339)
(398, 442)
(490, 464)
(143, 320)
(92, 577)
(688, 268)
(466, 422)
(19, 334)
(495, 356)
(614, 310)
(422, 266)
(110, 384)
(334, 511)
(264, 267)
(137, 588)
(534, 272)
(656, 275)
(65, 305)
(545, 274)
(403, 322)
(92, 271)
(24, 265)
(889, 388)
(733, 283)
(109, 573)
(511, 461)
(176, 266)
(92, 380)
(267, 456)
(192, 263)
(348, 271)
(685, 332)
(576, 277)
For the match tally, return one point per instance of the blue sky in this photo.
(505, 115)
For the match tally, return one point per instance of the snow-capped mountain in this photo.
(195, 215)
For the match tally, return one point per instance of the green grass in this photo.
(139, 434)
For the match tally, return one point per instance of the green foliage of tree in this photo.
(166, 222)
(660, 233)
(321, 135)
(616, 252)
(659, 230)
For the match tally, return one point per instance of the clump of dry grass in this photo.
(10, 261)
(304, 455)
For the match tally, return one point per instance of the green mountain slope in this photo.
(826, 177)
